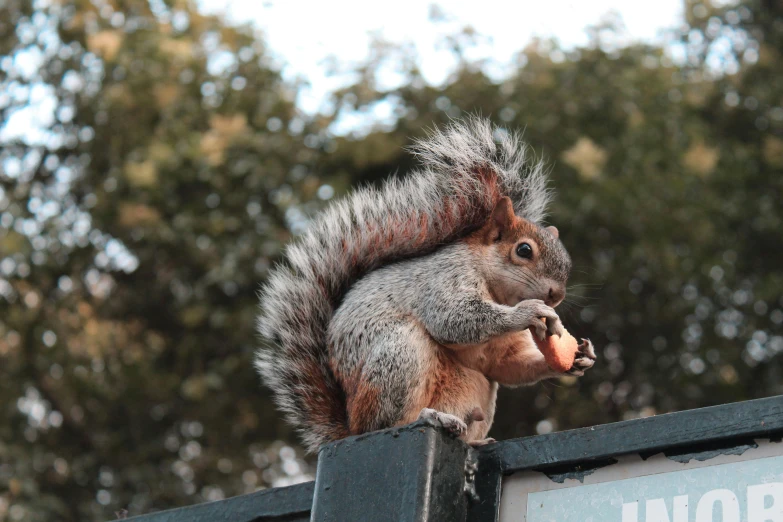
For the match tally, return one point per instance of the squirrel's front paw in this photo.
(453, 424)
(585, 358)
(532, 311)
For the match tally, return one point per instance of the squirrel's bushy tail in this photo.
(466, 169)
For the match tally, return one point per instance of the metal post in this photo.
(414, 473)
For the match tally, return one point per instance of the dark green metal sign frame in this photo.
(418, 473)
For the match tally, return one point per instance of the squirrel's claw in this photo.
(586, 347)
(539, 317)
(585, 358)
(540, 330)
(451, 423)
(555, 327)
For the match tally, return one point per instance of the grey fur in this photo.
(463, 146)
(393, 320)
(373, 228)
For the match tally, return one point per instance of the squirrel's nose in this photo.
(555, 296)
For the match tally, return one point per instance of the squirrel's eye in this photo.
(524, 250)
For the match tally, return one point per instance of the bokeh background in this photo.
(155, 157)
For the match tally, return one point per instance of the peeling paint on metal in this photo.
(575, 472)
(706, 454)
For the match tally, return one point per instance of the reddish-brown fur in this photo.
(446, 379)
(362, 408)
(321, 406)
(455, 388)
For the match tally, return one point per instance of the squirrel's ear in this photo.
(553, 231)
(502, 218)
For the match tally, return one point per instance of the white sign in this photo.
(723, 488)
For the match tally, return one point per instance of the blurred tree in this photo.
(154, 164)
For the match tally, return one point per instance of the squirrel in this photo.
(418, 298)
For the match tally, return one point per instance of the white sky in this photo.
(302, 33)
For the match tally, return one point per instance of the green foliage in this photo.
(135, 233)
(137, 224)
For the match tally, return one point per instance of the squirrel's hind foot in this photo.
(451, 423)
(482, 442)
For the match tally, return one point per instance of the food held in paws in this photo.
(559, 351)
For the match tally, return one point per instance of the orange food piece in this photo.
(559, 352)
